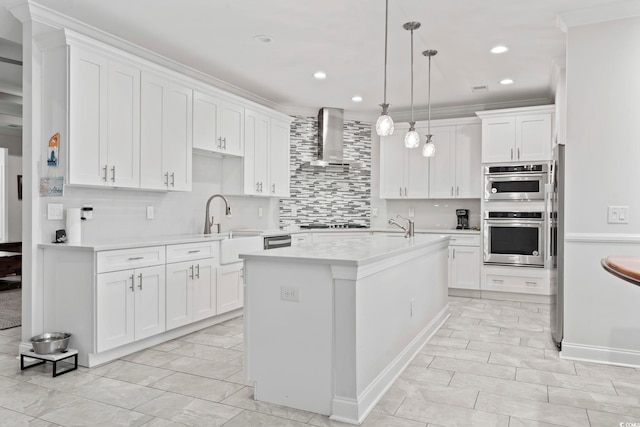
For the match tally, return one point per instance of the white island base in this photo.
(330, 326)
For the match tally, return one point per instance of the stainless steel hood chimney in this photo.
(330, 141)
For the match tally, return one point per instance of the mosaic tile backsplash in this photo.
(329, 195)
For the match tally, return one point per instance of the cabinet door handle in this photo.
(405, 191)
(273, 189)
(225, 143)
(197, 271)
(452, 190)
(191, 274)
(261, 186)
(173, 179)
(220, 142)
(104, 170)
(512, 154)
(140, 281)
(135, 258)
(457, 190)
(113, 174)
(400, 191)
(518, 154)
(166, 179)
(454, 253)
(257, 186)
(132, 279)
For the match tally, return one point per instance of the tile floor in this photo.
(492, 363)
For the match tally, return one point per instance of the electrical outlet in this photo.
(150, 212)
(618, 215)
(294, 211)
(411, 307)
(260, 212)
(412, 212)
(55, 211)
(374, 212)
(290, 294)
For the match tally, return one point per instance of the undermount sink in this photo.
(230, 248)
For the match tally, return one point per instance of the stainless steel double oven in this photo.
(516, 224)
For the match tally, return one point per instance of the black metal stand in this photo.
(53, 358)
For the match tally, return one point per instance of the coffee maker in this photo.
(463, 219)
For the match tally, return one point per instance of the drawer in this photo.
(300, 239)
(519, 284)
(191, 251)
(464, 240)
(124, 259)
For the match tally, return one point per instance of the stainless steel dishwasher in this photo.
(279, 241)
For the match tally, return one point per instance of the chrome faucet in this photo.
(208, 220)
(408, 230)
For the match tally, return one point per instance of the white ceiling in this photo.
(345, 38)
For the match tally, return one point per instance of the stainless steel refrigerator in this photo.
(557, 246)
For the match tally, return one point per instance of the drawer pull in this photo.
(497, 280)
(531, 283)
(135, 258)
(195, 251)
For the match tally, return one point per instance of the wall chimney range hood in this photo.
(330, 142)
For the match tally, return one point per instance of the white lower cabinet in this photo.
(464, 262)
(130, 305)
(191, 284)
(230, 291)
(521, 280)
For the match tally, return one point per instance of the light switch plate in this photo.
(618, 215)
(55, 211)
(150, 212)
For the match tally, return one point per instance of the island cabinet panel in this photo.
(404, 172)
(517, 134)
(329, 327)
(166, 134)
(130, 306)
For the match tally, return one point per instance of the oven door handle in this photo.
(516, 177)
(514, 222)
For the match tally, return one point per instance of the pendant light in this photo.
(428, 149)
(412, 138)
(384, 124)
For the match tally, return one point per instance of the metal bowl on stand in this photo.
(50, 342)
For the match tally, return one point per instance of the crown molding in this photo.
(593, 15)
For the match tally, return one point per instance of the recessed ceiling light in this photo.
(263, 38)
(499, 49)
(506, 82)
(357, 98)
(320, 75)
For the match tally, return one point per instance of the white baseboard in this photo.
(514, 296)
(604, 355)
(354, 411)
(466, 293)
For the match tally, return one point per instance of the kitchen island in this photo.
(330, 325)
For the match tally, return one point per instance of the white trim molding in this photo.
(602, 13)
(604, 355)
(615, 238)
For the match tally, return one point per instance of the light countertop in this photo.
(356, 250)
(134, 242)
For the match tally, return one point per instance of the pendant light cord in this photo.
(386, 29)
(429, 100)
(412, 75)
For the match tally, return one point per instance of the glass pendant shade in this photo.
(412, 139)
(428, 149)
(384, 125)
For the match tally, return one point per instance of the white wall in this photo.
(121, 213)
(602, 152)
(431, 214)
(14, 168)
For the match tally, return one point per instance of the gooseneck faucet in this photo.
(208, 220)
(408, 230)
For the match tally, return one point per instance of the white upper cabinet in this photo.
(517, 134)
(104, 120)
(264, 169)
(166, 134)
(218, 125)
(455, 168)
(404, 172)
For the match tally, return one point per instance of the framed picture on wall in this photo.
(19, 187)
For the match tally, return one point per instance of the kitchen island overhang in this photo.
(329, 326)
